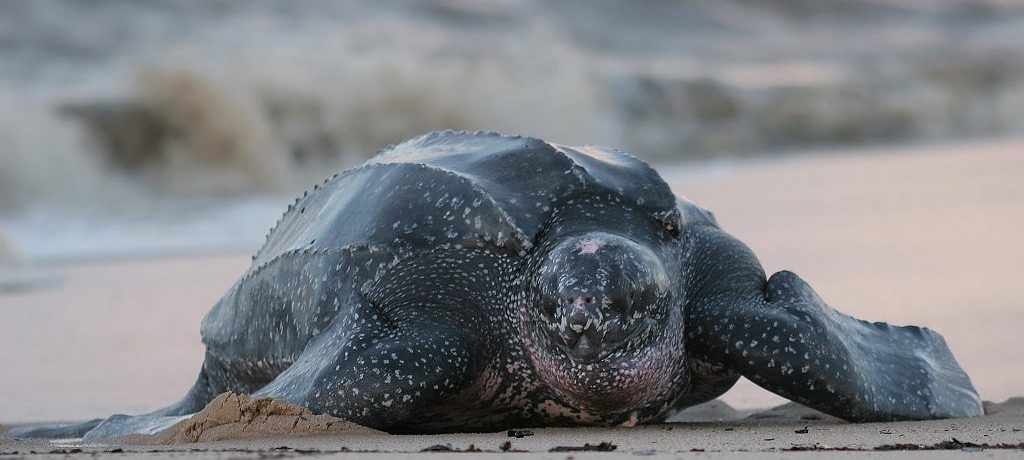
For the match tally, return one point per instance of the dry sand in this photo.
(924, 235)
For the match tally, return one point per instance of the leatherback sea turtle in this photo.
(475, 281)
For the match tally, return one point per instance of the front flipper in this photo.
(381, 375)
(779, 334)
(413, 339)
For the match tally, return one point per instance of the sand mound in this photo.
(235, 416)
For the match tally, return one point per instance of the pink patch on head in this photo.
(589, 246)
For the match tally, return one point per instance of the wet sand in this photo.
(998, 435)
(924, 235)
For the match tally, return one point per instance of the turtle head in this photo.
(598, 293)
(602, 324)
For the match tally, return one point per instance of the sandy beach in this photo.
(999, 435)
(922, 235)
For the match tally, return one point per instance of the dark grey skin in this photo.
(475, 282)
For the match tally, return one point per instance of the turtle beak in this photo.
(586, 351)
(578, 330)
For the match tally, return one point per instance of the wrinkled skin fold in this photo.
(474, 282)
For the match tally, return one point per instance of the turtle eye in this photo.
(673, 229)
(672, 223)
(630, 297)
(640, 300)
(549, 307)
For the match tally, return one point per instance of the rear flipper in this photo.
(783, 337)
(213, 379)
(59, 431)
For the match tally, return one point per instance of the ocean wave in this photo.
(243, 98)
(7, 252)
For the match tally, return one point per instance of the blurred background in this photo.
(876, 147)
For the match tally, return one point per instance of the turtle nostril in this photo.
(588, 299)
